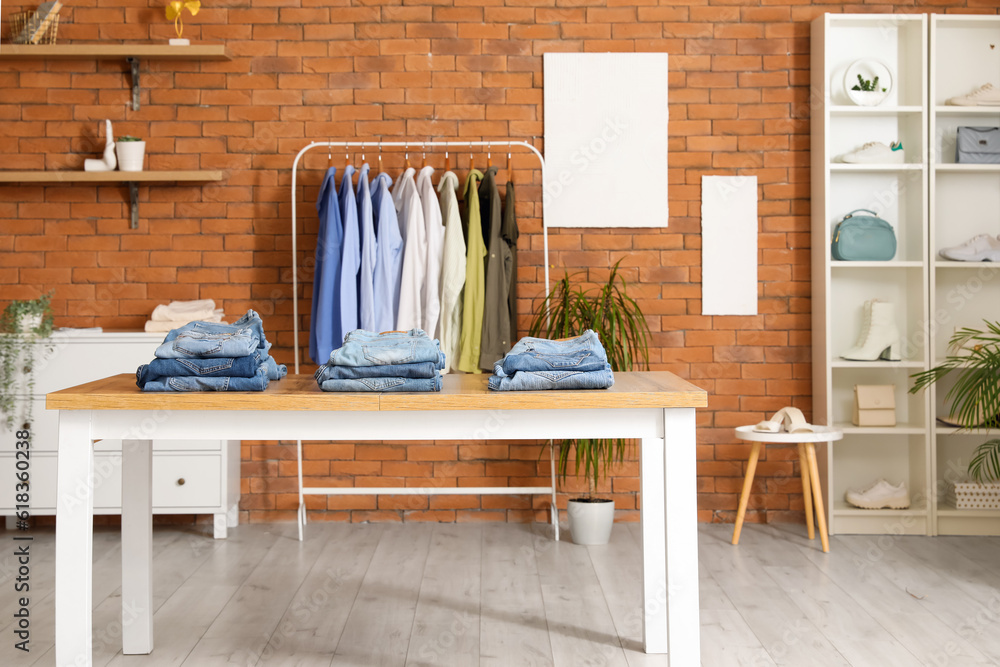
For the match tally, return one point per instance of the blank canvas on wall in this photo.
(729, 245)
(606, 139)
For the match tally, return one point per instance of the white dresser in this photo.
(189, 477)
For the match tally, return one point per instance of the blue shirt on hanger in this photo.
(369, 248)
(389, 255)
(325, 334)
(350, 256)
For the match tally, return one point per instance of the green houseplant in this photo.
(22, 325)
(568, 310)
(974, 357)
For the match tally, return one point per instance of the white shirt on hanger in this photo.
(414, 233)
(435, 247)
(452, 271)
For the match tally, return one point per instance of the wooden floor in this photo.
(505, 595)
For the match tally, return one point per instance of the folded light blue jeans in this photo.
(207, 345)
(250, 320)
(583, 353)
(383, 384)
(538, 380)
(422, 370)
(367, 348)
(258, 382)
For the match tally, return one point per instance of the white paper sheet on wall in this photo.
(729, 245)
(606, 139)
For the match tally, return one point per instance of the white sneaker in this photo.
(980, 248)
(875, 152)
(983, 96)
(880, 495)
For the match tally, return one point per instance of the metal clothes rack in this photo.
(428, 491)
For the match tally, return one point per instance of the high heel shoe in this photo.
(879, 337)
(788, 420)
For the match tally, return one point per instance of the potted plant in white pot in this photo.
(131, 151)
(22, 325)
(569, 310)
(974, 399)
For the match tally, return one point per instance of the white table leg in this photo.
(74, 541)
(219, 527)
(680, 474)
(654, 555)
(137, 546)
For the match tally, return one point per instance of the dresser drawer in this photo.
(187, 481)
(42, 483)
(178, 482)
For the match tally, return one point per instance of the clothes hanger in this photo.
(423, 162)
(406, 157)
(489, 155)
(363, 152)
(447, 160)
(380, 156)
(510, 166)
(347, 157)
(329, 153)
(472, 164)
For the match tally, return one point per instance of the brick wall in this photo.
(424, 69)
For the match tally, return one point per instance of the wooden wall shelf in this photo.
(112, 52)
(132, 178)
(130, 53)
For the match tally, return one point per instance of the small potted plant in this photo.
(868, 92)
(974, 358)
(22, 325)
(616, 318)
(131, 151)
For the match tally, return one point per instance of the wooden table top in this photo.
(640, 389)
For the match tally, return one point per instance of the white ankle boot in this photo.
(879, 337)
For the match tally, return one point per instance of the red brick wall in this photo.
(427, 69)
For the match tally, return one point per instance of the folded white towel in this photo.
(188, 311)
(159, 327)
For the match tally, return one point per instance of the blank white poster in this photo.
(729, 245)
(606, 139)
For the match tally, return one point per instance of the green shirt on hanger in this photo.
(496, 313)
(475, 277)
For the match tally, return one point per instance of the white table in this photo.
(658, 408)
(812, 489)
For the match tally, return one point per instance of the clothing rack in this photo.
(376, 144)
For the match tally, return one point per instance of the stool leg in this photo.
(817, 496)
(745, 495)
(806, 490)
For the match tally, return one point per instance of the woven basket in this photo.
(972, 496)
(22, 20)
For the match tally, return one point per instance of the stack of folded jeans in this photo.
(539, 363)
(213, 356)
(391, 361)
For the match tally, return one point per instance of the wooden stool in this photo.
(812, 492)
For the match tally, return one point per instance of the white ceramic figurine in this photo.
(109, 162)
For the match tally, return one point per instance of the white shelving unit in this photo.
(898, 193)
(964, 200)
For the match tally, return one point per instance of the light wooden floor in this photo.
(503, 595)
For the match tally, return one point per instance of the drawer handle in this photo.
(180, 482)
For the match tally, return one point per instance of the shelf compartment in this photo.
(131, 178)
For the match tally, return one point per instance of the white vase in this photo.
(29, 323)
(868, 98)
(590, 522)
(130, 155)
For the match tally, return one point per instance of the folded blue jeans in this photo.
(422, 370)
(243, 367)
(366, 348)
(250, 320)
(258, 382)
(538, 380)
(583, 353)
(383, 384)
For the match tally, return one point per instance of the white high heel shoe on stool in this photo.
(879, 337)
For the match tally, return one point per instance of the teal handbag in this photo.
(863, 238)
